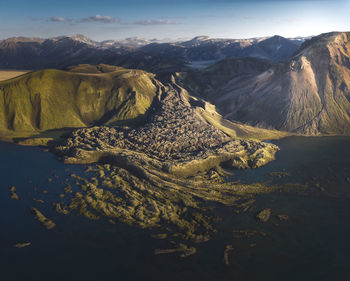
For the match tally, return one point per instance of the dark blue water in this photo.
(77, 248)
(313, 244)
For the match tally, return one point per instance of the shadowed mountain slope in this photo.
(307, 94)
(205, 82)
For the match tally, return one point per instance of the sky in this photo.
(178, 19)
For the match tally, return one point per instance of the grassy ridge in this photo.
(9, 74)
(53, 99)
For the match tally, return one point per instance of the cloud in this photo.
(59, 19)
(96, 18)
(108, 19)
(155, 22)
(100, 18)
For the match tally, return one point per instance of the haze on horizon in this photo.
(116, 19)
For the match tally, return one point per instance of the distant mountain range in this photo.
(293, 85)
(150, 55)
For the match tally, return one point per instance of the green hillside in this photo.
(54, 99)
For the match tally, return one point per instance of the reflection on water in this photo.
(312, 245)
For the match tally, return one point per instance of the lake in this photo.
(313, 244)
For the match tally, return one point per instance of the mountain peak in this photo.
(278, 37)
(83, 39)
(23, 39)
(324, 40)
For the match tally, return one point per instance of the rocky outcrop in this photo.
(264, 215)
(49, 224)
(182, 248)
(22, 245)
(13, 194)
(176, 139)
